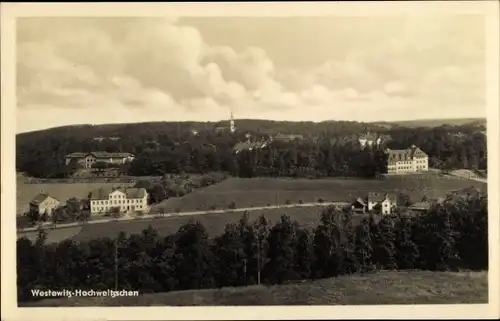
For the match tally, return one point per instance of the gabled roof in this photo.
(380, 197)
(421, 206)
(40, 197)
(369, 136)
(76, 155)
(397, 155)
(99, 155)
(103, 193)
(248, 146)
(361, 201)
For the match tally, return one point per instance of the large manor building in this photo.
(103, 200)
(86, 160)
(410, 160)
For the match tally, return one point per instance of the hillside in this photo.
(108, 130)
(403, 287)
(328, 148)
(434, 122)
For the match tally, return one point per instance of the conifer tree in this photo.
(386, 250)
(305, 254)
(364, 249)
(327, 245)
(229, 255)
(406, 250)
(282, 252)
(193, 257)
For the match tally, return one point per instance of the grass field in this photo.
(385, 287)
(61, 191)
(214, 223)
(263, 191)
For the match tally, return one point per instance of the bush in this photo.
(232, 205)
(287, 202)
(301, 202)
(320, 200)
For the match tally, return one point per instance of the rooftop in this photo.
(408, 154)
(103, 193)
(379, 197)
(99, 155)
(40, 197)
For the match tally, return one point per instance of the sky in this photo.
(101, 70)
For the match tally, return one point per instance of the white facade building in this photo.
(411, 160)
(86, 160)
(126, 199)
(385, 201)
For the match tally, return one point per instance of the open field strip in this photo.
(139, 223)
(384, 287)
(256, 192)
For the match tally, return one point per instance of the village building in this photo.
(369, 139)
(239, 147)
(420, 206)
(410, 160)
(287, 137)
(86, 160)
(127, 200)
(375, 202)
(43, 203)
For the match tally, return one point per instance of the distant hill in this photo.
(433, 122)
(242, 125)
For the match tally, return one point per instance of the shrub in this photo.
(287, 202)
(301, 202)
(320, 200)
(232, 205)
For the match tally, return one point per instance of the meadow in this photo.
(214, 224)
(258, 192)
(384, 287)
(255, 192)
(61, 191)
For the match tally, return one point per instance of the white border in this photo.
(12, 10)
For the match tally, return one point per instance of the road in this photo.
(166, 215)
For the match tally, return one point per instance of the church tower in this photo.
(232, 128)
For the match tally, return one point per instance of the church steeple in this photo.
(232, 127)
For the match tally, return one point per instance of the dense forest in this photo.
(327, 149)
(451, 236)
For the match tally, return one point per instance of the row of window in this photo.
(105, 208)
(115, 202)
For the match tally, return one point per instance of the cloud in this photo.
(131, 69)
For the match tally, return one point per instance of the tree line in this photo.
(328, 148)
(451, 236)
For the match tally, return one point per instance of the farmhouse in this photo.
(86, 160)
(43, 203)
(409, 160)
(382, 202)
(103, 200)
